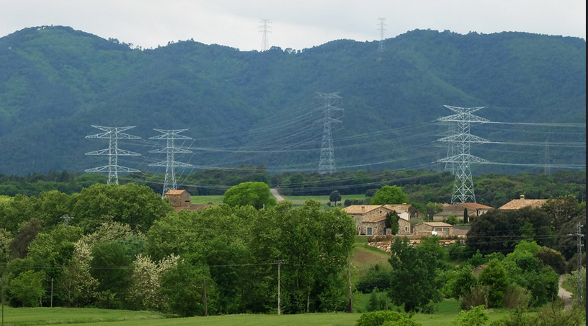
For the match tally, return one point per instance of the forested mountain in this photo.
(262, 108)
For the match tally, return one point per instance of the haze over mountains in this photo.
(262, 107)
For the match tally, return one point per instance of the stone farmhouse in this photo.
(474, 210)
(427, 229)
(523, 202)
(180, 200)
(370, 219)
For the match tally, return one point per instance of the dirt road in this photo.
(275, 193)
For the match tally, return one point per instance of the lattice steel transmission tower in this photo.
(170, 163)
(463, 186)
(382, 30)
(327, 160)
(450, 166)
(264, 30)
(113, 134)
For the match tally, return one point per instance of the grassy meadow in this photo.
(296, 200)
(447, 311)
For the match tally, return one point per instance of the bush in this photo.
(478, 296)
(552, 258)
(376, 278)
(474, 317)
(385, 318)
(550, 315)
(515, 296)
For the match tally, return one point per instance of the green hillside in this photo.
(256, 108)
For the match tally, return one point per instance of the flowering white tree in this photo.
(146, 288)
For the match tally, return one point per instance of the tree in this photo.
(460, 282)
(389, 195)
(413, 277)
(552, 258)
(432, 209)
(256, 194)
(494, 275)
(145, 292)
(561, 210)
(482, 234)
(137, 206)
(28, 287)
(112, 268)
(28, 231)
(183, 289)
(466, 216)
(335, 196)
(391, 222)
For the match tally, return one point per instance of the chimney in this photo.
(363, 209)
(522, 198)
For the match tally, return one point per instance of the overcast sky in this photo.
(295, 24)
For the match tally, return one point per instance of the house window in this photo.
(369, 231)
(439, 229)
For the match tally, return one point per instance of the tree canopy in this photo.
(256, 194)
(389, 195)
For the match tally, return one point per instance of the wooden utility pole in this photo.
(52, 292)
(279, 263)
(350, 309)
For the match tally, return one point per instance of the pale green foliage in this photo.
(28, 287)
(515, 296)
(46, 243)
(387, 318)
(256, 194)
(570, 284)
(83, 284)
(111, 231)
(146, 288)
(389, 195)
(5, 239)
(477, 296)
(474, 317)
(529, 246)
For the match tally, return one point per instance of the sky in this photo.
(295, 24)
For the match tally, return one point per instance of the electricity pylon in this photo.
(113, 134)
(450, 166)
(463, 186)
(264, 30)
(170, 163)
(327, 160)
(382, 30)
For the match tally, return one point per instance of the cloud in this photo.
(296, 24)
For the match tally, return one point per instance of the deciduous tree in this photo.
(389, 195)
(256, 194)
(413, 277)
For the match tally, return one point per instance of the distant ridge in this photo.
(249, 107)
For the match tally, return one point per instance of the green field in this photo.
(447, 311)
(296, 200)
(207, 199)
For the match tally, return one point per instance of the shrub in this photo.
(474, 317)
(385, 318)
(515, 296)
(478, 296)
